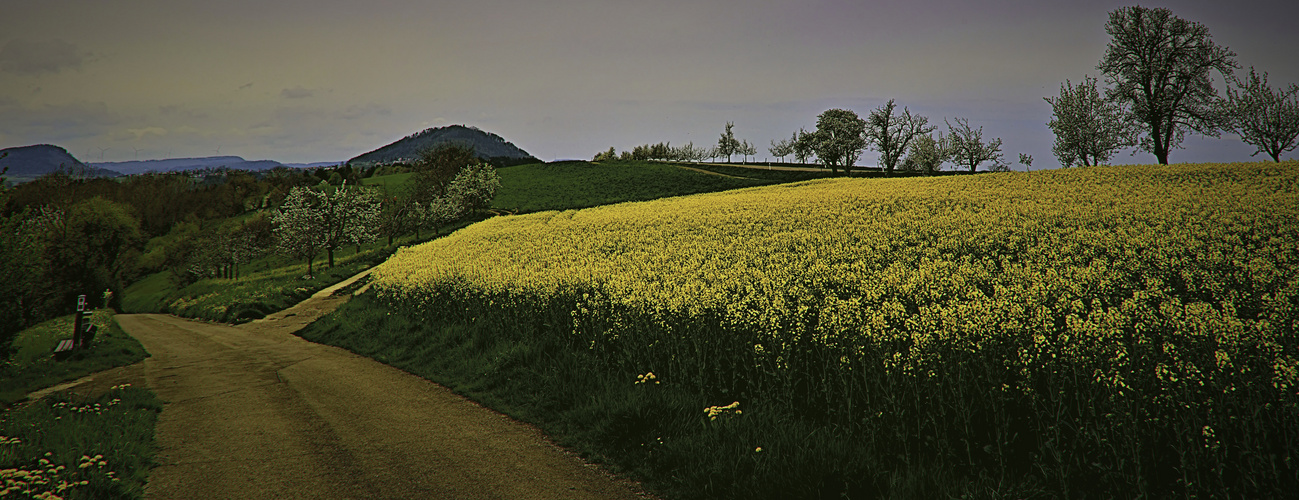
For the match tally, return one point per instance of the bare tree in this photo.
(967, 148)
(727, 145)
(783, 148)
(1026, 160)
(1264, 118)
(891, 134)
(746, 150)
(1088, 128)
(1159, 65)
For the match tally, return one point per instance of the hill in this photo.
(489, 146)
(181, 164)
(864, 325)
(30, 162)
(581, 184)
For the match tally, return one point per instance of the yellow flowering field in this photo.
(1151, 307)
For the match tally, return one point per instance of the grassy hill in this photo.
(580, 184)
(1086, 332)
(273, 282)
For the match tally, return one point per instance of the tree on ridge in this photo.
(1159, 67)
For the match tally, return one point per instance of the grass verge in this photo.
(33, 367)
(72, 448)
(758, 172)
(658, 433)
(268, 284)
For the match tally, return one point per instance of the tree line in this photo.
(1159, 73)
(64, 235)
(904, 141)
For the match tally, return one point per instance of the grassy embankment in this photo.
(33, 367)
(1116, 331)
(265, 285)
(68, 446)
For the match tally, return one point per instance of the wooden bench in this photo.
(64, 349)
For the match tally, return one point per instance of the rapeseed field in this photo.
(1125, 330)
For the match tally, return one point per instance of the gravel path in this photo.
(255, 412)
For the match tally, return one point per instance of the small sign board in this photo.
(81, 303)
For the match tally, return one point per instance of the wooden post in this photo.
(78, 320)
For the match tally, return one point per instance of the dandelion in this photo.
(714, 412)
(647, 378)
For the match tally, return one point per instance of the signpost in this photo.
(83, 331)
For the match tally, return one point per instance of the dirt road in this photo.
(256, 412)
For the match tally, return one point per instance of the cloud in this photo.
(146, 131)
(296, 93)
(33, 57)
(53, 123)
(368, 110)
(182, 112)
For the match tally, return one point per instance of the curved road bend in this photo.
(255, 412)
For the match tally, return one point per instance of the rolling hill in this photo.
(489, 146)
(30, 162)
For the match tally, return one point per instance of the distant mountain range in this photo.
(30, 162)
(313, 165)
(489, 146)
(181, 164)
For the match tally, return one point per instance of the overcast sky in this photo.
(326, 80)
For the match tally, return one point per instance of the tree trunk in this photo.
(389, 239)
(308, 267)
(1157, 135)
(330, 251)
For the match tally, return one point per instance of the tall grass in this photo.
(77, 448)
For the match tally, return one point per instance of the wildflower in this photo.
(647, 378)
(717, 411)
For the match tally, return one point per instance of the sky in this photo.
(326, 80)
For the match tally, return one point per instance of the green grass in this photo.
(758, 172)
(149, 294)
(79, 448)
(580, 184)
(33, 367)
(392, 184)
(656, 433)
(265, 285)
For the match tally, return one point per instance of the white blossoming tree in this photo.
(311, 221)
(298, 226)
